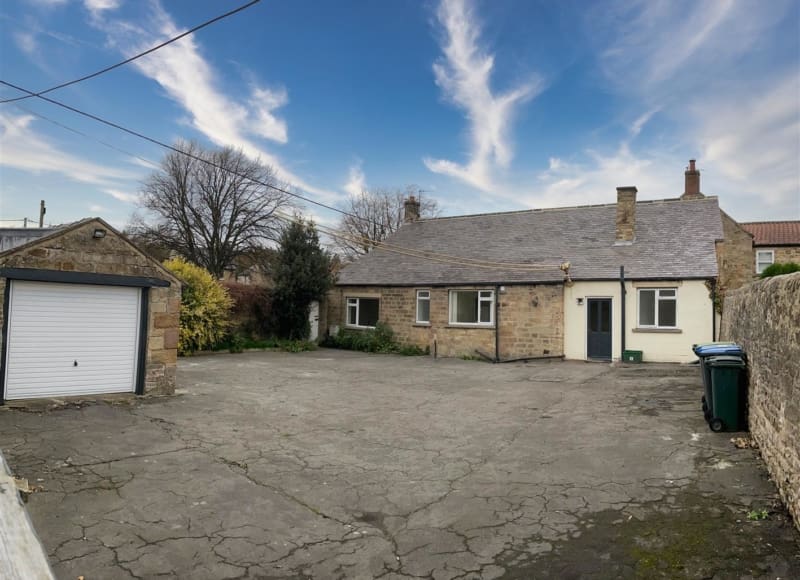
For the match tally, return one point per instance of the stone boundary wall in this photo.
(764, 318)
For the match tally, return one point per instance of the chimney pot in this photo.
(692, 182)
(626, 214)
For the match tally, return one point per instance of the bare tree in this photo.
(372, 216)
(210, 212)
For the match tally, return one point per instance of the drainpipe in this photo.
(713, 310)
(622, 310)
(497, 324)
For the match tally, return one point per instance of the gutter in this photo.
(622, 311)
(713, 310)
(497, 324)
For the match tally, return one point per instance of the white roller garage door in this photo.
(71, 339)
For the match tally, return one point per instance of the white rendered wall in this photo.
(694, 320)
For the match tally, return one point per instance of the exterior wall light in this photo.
(580, 301)
(99, 233)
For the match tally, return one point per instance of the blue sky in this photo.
(486, 106)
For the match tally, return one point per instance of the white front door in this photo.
(71, 339)
(313, 320)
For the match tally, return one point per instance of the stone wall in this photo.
(531, 320)
(735, 257)
(783, 254)
(764, 318)
(76, 250)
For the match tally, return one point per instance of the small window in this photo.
(472, 307)
(423, 306)
(764, 258)
(362, 312)
(658, 308)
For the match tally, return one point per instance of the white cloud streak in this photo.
(356, 180)
(97, 7)
(189, 80)
(741, 122)
(21, 147)
(464, 76)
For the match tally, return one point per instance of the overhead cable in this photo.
(133, 58)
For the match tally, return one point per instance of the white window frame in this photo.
(656, 304)
(759, 268)
(356, 301)
(423, 295)
(481, 298)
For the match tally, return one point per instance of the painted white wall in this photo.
(694, 319)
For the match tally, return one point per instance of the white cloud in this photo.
(96, 7)
(123, 196)
(464, 75)
(265, 124)
(96, 209)
(191, 81)
(26, 42)
(642, 120)
(21, 147)
(356, 180)
(759, 159)
(741, 122)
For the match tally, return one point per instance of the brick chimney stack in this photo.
(411, 209)
(626, 214)
(692, 188)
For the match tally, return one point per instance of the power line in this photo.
(167, 146)
(133, 58)
(434, 256)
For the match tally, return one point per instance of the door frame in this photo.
(586, 326)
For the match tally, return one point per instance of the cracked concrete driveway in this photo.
(343, 465)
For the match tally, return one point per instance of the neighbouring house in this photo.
(586, 282)
(773, 243)
(86, 312)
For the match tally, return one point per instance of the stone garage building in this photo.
(86, 312)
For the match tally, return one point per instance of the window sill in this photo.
(473, 326)
(354, 327)
(658, 330)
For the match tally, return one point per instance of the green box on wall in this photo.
(634, 356)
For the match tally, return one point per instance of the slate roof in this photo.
(674, 240)
(786, 233)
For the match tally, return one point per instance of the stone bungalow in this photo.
(86, 312)
(585, 282)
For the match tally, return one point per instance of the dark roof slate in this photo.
(674, 239)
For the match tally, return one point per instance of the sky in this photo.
(483, 106)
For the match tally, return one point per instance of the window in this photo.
(423, 306)
(362, 312)
(472, 307)
(764, 258)
(658, 307)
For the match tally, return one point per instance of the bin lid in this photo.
(726, 361)
(717, 349)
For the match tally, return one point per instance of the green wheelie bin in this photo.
(728, 391)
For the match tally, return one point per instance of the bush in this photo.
(379, 339)
(252, 309)
(780, 269)
(205, 307)
(237, 344)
